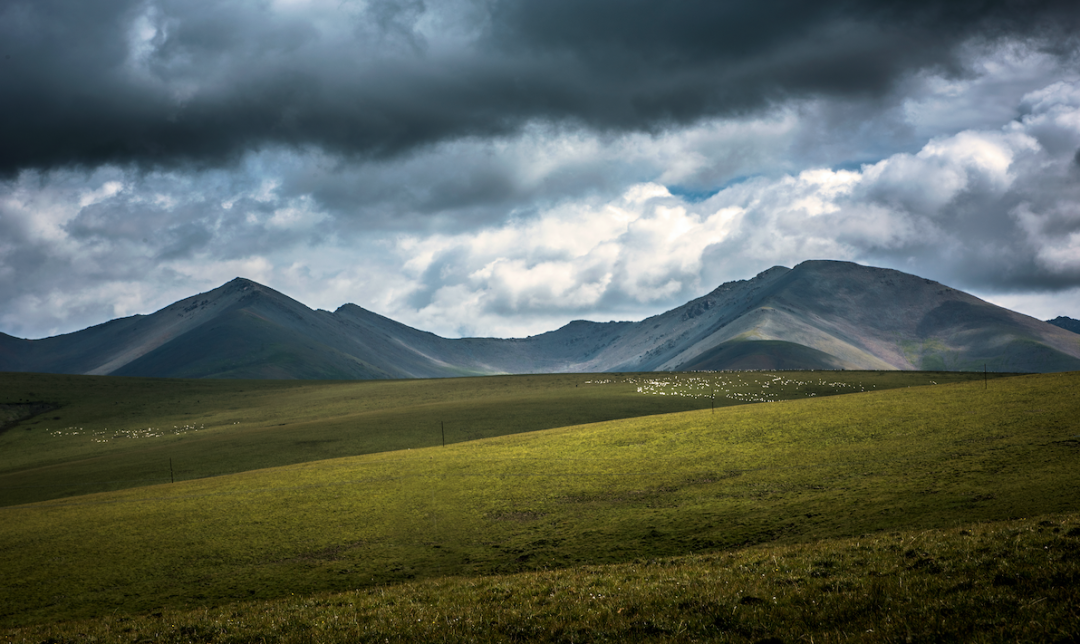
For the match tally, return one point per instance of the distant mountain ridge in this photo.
(1069, 324)
(818, 315)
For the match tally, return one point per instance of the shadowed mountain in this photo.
(818, 315)
(1069, 324)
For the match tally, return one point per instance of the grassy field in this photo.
(1015, 581)
(109, 433)
(696, 484)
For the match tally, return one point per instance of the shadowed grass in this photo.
(991, 582)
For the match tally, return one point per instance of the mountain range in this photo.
(817, 315)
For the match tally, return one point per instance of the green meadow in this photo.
(1011, 581)
(108, 433)
(617, 507)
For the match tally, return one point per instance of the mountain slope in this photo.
(874, 318)
(817, 315)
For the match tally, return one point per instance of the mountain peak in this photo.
(839, 267)
(240, 283)
(243, 286)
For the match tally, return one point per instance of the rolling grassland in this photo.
(110, 433)
(1013, 581)
(867, 516)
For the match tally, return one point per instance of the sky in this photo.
(501, 167)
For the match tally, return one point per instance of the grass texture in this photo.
(96, 434)
(697, 484)
(1014, 581)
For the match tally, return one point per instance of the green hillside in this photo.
(109, 433)
(615, 492)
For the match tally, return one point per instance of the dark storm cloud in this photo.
(170, 82)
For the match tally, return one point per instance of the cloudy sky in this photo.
(500, 167)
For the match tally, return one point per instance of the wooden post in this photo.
(442, 427)
(172, 476)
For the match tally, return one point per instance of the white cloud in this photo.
(984, 99)
(107, 190)
(299, 214)
(651, 247)
(644, 247)
(1054, 234)
(929, 180)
